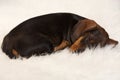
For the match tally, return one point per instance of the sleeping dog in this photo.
(52, 32)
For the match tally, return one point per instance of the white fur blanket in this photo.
(94, 64)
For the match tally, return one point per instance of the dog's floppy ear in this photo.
(81, 27)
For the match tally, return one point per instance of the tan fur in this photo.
(81, 27)
(15, 53)
(76, 44)
(63, 45)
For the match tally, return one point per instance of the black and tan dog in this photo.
(52, 32)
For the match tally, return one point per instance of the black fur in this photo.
(40, 35)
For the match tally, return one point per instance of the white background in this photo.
(98, 64)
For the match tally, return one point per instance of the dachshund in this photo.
(49, 33)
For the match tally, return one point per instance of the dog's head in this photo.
(92, 33)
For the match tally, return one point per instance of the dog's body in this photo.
(53, 32)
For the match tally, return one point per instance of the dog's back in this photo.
(39, 35)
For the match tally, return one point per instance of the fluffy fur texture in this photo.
(98, 64)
